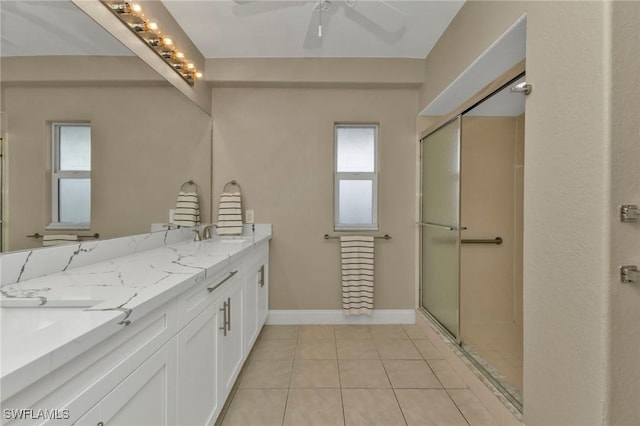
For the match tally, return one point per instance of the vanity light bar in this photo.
(131, 15)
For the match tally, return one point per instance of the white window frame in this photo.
(57, 174)
(339, 176)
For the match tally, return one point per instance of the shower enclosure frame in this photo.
(509, 77)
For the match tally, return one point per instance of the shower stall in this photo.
(472, 173)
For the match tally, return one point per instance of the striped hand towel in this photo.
(187, 209)
(58, 240)
(230, 214)
(357, 274)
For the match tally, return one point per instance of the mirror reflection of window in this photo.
(71, 176)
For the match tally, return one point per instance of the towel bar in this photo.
(497, 241)
(37, 235)
(381, 237)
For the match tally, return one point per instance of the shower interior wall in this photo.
(492, 177)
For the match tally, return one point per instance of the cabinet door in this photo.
(198, 398)
(251, 288)
(263, 292)
(145, 397)
(232, 340)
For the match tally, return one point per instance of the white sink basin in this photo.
(36, 303)
(22, 321)
(232, 240)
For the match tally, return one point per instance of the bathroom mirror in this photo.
(146, 138)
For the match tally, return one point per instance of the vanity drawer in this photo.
(201, 295)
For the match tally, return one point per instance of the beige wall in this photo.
(145, 143)
(567, 275)
(278, 144)
(316, 71)
(487, 206)
(625, 186)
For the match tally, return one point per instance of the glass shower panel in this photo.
(491, 205)
(440, 225)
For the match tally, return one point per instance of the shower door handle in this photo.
(441, 226)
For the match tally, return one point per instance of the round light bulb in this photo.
(198, 74)
(152, 26)
(180, 55)
(190, 66)
(136, 8)
(167, 41)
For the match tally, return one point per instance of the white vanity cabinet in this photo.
(232, 350)
(145, 398)
(139, 358)
(256, 295)
(198, 389)
(174, 366)
(207, 348)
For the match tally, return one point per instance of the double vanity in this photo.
(156, 336)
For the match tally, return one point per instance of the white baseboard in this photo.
(379, 316)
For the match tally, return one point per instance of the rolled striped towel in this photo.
(51, 240)
(230, 214)
(356, 253)
(187, 209)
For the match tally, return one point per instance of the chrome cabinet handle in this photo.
(261, 279)
(231, 274)
(224, 317)
(229, 314)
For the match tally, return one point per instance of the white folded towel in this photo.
(187, 209)
(357, 274)
(230, 214)
(58, 240)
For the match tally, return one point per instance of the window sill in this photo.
(68, 227)
(363, 229)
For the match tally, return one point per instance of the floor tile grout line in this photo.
(286, 403)
(344, 417)
(395, 395)
(458, 408)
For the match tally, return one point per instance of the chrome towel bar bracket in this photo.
(629, 274)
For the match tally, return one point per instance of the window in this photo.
(356, 177)
(71, 176)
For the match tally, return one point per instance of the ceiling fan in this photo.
(372, 15)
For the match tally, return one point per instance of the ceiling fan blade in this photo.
(389, 5)
(257, 7)
(371, 16)
(311, 38)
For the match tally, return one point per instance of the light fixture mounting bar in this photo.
(132, 16)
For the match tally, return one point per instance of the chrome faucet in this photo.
(206, 232)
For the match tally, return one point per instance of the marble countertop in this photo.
(47, 321)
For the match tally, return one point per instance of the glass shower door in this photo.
(440, 225)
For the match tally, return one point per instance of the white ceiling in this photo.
(362, 28)
(242, 28)
(32, 28)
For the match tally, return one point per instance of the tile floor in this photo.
(500, 345)
(350, 375)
